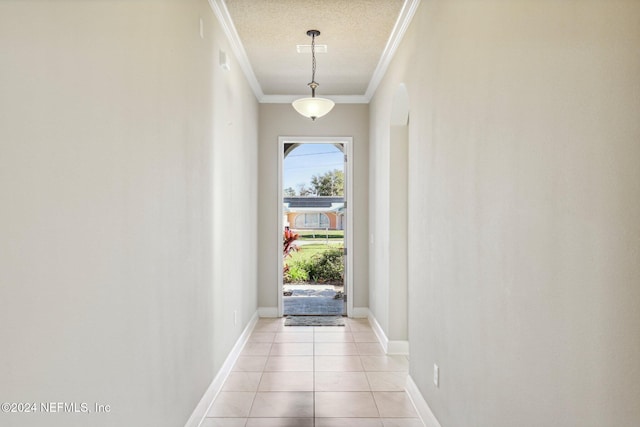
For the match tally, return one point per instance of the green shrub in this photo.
(297, 272)
(327, 266)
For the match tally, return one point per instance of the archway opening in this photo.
(398, 222)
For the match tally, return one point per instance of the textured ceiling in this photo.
(355, 32)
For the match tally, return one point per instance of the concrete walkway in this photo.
(313, 299)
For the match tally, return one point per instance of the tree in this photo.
(303, 190)
(331, 183)
(289, 192)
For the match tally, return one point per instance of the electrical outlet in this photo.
(224, 61)
(436, 375)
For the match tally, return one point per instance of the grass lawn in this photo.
(307, 251)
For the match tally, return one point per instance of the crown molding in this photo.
(222, 13)
(402, 23)
(399, 29)
(338, 99)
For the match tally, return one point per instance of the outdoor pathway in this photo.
(289, 376)
(312, 299)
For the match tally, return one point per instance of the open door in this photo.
(314, 224)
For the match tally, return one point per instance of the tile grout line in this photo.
(255, 395)
(373, 397)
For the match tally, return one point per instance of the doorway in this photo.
(314, 224)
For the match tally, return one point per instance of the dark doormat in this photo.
(314, 321)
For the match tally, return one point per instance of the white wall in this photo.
(524, 199)
(380, 221)
(127, 172)
(282, 120)
(398, 233)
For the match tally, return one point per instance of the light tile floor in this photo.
(289, 376)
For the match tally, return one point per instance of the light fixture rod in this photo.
(313, 85)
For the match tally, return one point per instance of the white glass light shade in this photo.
(313, 107)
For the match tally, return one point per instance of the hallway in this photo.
(314, 376)
(495, 206)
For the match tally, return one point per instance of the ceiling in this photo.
(360, 35)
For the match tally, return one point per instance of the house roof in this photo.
(312, 201)
(313, 204)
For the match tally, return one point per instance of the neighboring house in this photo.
(314, 212)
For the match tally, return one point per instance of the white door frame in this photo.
(348, 188)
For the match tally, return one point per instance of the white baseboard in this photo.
(398, 347)
(421, 405)
(268, 311)
(389, 346)
(377, 329)
(360, 312)
(205, 403)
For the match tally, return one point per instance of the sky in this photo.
(307, 160)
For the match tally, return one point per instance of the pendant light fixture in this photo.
(313, 107)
